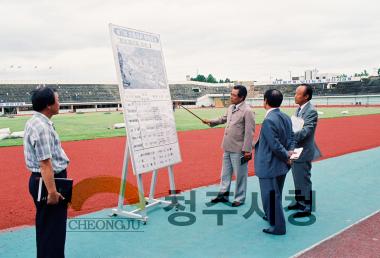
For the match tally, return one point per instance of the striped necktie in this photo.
(298, 111)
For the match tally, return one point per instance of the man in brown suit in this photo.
(237, 143)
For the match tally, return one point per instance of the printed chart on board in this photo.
(145, 95)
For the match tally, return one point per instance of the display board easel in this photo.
(147, 107)
(145, 202)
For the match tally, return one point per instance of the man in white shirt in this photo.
(45, 158)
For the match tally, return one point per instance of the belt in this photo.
(55, 173)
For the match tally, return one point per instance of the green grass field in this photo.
(73, 127)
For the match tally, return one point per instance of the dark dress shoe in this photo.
(272, 232)
(219, 199)
(237, 204)
(296, 206)
(302, 214)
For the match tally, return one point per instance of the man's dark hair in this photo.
(274, 97)
(308, 90)
(242, 91)
(42, 97)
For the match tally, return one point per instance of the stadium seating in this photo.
(82, 93)
(192, 92)
(363, 87)
(69, 93)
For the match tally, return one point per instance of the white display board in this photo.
(144, 93)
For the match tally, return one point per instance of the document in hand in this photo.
(243, 160)
(64, 187)
(297, 123)
(297, 153)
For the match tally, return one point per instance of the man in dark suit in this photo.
(304, 138)
(272, 160)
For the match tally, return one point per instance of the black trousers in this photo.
(50, 222)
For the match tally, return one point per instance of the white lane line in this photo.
(335, 234)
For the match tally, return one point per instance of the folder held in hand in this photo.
(64, 187)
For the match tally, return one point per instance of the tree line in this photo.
(364, 73)
(210, 79)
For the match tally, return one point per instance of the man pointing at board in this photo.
(237, 145)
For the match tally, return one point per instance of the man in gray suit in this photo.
(304, 138)
(237, 145)
(272, 160)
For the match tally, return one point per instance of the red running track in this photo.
(201, 154)
(360, 240)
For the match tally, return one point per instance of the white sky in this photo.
(241, 40)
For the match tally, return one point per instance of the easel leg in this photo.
(141, 194)
(171, 178)
(153, 186)
(172, 190)
(123, 178)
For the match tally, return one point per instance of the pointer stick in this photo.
(192, 113)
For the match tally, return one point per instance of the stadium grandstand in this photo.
(15, 97)
(188, 93)
(365, 86)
